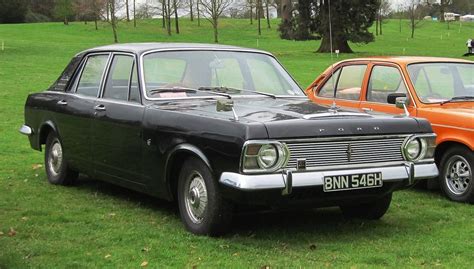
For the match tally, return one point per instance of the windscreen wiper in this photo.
(458, 98)
(224, 89)
(187, 90)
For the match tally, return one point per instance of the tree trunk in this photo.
(113, 19)
(268, 14)
(163, 11)
(215, 20)
(108, 12)
(127, 10)
(168, 16)
(251, 11)
(176, 22)
(95, 22)
(134, 18)
(412, 27)
(258, 10)
(380, 27)
(286, 10)
(191, 10)
(338, 44)
(377, 25)
(198, 12)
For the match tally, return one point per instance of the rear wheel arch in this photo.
(46, 128)
(176, 159)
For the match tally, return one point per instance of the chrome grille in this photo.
(362, 151)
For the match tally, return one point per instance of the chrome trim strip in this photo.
(26, 130)
(315, 179)
(344, 138)
(454, 127)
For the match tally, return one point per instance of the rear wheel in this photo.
(201, 206)
(373, 210)
(456, 174)
(57, 169)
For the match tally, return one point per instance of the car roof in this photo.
(140, 48)
(405, 60)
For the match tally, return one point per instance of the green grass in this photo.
(95, 224)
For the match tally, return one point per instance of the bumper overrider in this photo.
(264, 168)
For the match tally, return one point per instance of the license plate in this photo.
(352, 182)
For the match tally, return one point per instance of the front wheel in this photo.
(456, 174)
(57, 169)
(201, 206)
(373, 210)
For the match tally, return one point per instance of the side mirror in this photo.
(392, 98)
(401, 102)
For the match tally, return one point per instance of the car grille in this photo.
(330, 153)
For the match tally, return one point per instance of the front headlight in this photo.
(264, 156)
(419, 147)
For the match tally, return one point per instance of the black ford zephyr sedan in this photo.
(217, 126)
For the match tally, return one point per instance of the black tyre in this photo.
(456, 174)
(373, 210)
(55, 164)
(201, 206)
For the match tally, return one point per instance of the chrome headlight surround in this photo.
(256, 156)
(427, 145)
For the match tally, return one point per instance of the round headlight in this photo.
(267, 156)
(413, 149)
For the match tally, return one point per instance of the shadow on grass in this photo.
(261, 223)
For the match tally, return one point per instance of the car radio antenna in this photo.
(333, 106)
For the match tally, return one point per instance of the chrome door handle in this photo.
(62, 102)
(100, 108)
(366, 109)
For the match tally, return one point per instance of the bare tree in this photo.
(127, 10)
(258, 14)
(175, 10)
(198, 10)
(250, 3)
(191, 15)
(268, 13)
(414, 15)
(113, 19)
(134, 14)
(213, 9)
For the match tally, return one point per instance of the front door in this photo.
(117, 128)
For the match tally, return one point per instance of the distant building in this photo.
(449, 16)
(467, 18)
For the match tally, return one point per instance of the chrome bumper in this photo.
(285, 181)
(26, 130)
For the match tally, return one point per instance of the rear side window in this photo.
(91, 77)
(349, 83)
(328, 89)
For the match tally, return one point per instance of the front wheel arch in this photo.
(443, 147)
(46, 128)
(175, 159)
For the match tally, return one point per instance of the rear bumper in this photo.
(398, 173)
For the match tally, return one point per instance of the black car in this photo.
(217, 126)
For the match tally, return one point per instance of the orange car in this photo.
(438, 89)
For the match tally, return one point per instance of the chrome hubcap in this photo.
(55, 159)
(458, 174)
(195, 195)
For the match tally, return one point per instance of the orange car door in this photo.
(383, 80)
(347, 82)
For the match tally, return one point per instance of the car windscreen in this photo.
(247, 71)
(440, 82)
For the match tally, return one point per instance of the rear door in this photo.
(76, 110)
(117, 127)
(344, 86)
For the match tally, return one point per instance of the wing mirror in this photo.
(400, 100)
(226, 106)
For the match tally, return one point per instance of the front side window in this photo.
(91, 77)
(118, 79)
(439, 82)
(384, 80)
(239, 73)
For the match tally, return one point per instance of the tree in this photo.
(113, 19)
(350, 21)
(443, 7)
(127, 10)
(415, 16)
(286, 26)
(191, 15)
(175, 10)
(134, 14)
(213, 9)
(63, 9)
(268, 14)
(198, 10)
(13, 11)
(258, 15)
(250, 3)
(383, 11)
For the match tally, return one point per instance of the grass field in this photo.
(95, 225)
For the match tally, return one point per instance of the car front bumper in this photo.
(407, 173)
